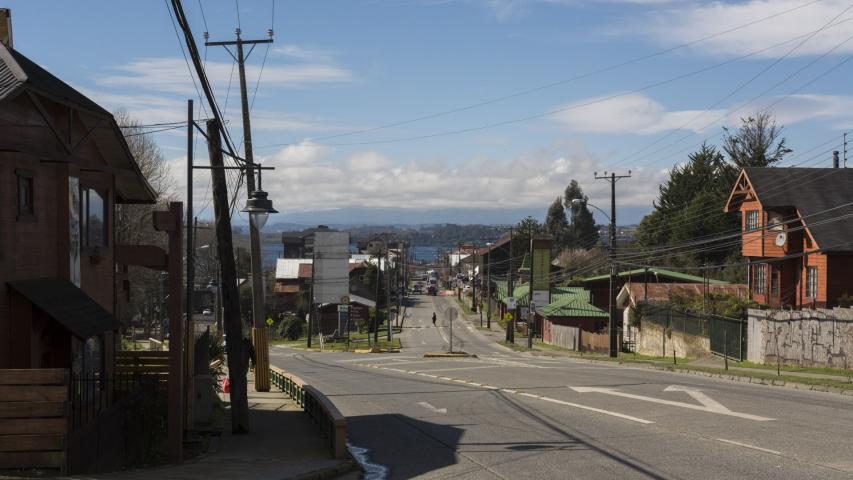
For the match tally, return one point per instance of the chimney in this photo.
(835, 159)
(6, 27)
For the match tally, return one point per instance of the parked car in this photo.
(207, 311)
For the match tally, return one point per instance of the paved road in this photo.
(512, 415)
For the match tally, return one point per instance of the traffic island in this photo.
(449, 355)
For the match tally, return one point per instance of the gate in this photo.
(728, 336)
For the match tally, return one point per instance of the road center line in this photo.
(531, 395)
(746, 445)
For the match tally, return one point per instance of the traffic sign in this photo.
(508, 317)
(343, 308)
(345, 300)
(269, 322)
(510, 303)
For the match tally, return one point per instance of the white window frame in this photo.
(811, 282)
(760, 281)
(750, 225)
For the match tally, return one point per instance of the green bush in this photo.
(291, 327)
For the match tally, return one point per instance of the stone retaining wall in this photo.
(809, 338)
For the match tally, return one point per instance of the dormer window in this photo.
(752, 220)
(774, 221)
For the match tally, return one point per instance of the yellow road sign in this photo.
(269, 322)
(508, 316)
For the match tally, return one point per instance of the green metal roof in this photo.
(660, 272)
(522, 293)
(571, 306)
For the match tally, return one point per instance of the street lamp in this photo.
(258, 206)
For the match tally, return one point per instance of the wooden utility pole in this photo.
(387, 291)
(259, 328)
(510, 325)
(614, 341)
(228, 285)
(489, 289)
(530, 305)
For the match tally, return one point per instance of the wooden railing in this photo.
(330, 420)
(133, 361)
(33, 419)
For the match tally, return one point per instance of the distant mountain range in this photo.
(356, 216)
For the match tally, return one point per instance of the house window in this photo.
(752, 222)
(26, 194)
(93, 218)
(760, 285)
(774, 281)
(811, 282)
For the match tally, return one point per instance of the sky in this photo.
(388, 107)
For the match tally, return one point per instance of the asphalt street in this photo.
(510, 415)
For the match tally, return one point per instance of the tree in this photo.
(133, 224)
(757, 143)
(522, 233)
(556, 224)
(689, 206)
(583, 232)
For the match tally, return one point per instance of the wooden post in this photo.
(230, 295)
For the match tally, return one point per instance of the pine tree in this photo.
(556, 224)
(583, 232)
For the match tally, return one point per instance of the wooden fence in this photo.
(141, 361)
(33, 419)
(595, 342)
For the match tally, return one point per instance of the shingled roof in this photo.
(818, 194)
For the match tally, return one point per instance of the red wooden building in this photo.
(797, 232)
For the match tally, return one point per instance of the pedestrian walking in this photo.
(433, 319)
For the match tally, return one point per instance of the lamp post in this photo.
(258, 206)
(610, 253)
(489, 287)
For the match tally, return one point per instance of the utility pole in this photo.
(474, 281)
(228, 286)
(376, 310)
(530, 305)
(510, 325)
(387, 292)
(489, 289)
(613, 178)
(259, 329)
(311, 300)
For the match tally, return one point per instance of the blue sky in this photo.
(342, 66)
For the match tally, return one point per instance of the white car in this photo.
(207, 311)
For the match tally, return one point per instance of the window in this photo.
(775, 221)
(752, 222)
(774, 281)
(760, 280)
(93, 218)
(811, 282)
(26, 194)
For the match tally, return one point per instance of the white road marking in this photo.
(699, 396)
(746, 445)
(530, 395)
(617, 393)
(388, 359)
(459, 368)
(430, 407)
(597, 410)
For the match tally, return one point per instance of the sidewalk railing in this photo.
(330, 420)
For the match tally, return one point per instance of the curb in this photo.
(328, 473)
(449, 355)
(724, 376)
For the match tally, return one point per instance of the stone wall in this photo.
(809, 338)
(652, 340)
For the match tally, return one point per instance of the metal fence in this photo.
(727, 335)
(90, 395)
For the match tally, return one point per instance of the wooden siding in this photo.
(33, 419)
(839, 277)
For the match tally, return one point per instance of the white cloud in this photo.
(630, 113)
(685, 22)
(171, 75)
(308, 178)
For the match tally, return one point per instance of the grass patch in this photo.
(358, 340)
(464, 306)
(770, 376)
(792, 368)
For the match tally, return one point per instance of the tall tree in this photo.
(582, 233)
(689, 206)
(757, 143)
(133, 224)
(556, 224)
(523, 230)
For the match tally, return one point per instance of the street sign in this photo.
(508, 317)
(345, 300)
(269, 322)
(343, 308)
(510, 303)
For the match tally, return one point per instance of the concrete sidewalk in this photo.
(284, 443)
(718, 362)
